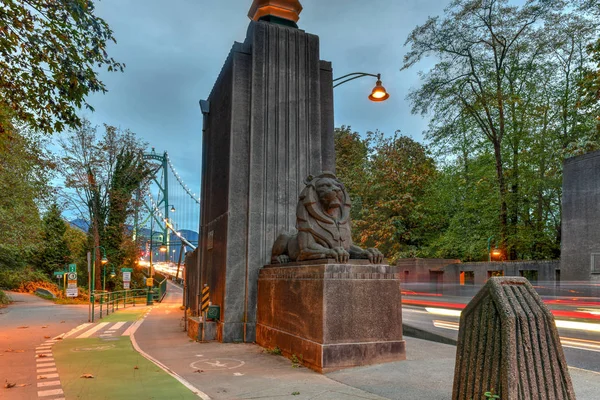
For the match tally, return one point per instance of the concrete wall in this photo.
(444, 275)
(580, 244)
(270, 125)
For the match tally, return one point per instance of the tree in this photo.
(506, 81)
(49, 50)
(393, 215)
(351, 164)
(100, 177)
(54, 252)
(25, 173)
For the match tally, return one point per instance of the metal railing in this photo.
(108, 302)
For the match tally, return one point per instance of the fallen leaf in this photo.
(46, 337)
(198, 370)
(9, 385)
(42, 377)
(136, 367)
(19, 351)
(87, 376)
(9, 350)
(22, 327)
(42, 355)
(58, 338)
(23, 384)
(45, 326)
(62, 322)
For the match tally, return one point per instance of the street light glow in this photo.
(379, 93)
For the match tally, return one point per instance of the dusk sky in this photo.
(174, 51)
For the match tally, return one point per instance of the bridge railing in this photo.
(106, 302)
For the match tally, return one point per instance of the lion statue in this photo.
(323, 223)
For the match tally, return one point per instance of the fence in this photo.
(111, 301)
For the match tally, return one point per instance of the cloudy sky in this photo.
(174, 50)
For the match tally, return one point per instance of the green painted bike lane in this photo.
(118, 370)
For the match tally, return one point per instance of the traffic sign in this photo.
(73, 268)
(126, 276)
(126, 269)
(59, 274)
(72, 290)
(126, 285)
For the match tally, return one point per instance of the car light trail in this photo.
(443, 311)
(580, 326)
(446, 325)
(581, 344)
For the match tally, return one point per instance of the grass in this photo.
(130, 313)
(119, 372)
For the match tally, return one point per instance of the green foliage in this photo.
(54, 253)
(275, 351)
(25, 170)
(505, 86)
(49, 54)
(387, 179)
(15, 278)
(101, 175)
(4, 299)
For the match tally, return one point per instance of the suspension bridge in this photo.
(167, 215)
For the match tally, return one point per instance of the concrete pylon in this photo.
(268, 123)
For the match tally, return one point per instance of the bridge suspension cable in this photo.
(181, 182)
(167, 222)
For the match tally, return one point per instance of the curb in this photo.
(169, 371)
(412, 331)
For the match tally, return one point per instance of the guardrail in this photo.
(111, 301)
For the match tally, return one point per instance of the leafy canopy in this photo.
(48, 51)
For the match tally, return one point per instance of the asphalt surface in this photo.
(24, 325)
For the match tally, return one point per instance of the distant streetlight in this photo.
(377, 94)
(172, 208)
(496, 252)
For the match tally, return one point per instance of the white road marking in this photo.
(50, 383)
(118, 325)
(77, 329)
(44, 359)
(95, 329)
(52, 392)
(45, 365)
(46, 370)
(48, 376)
(132, 328)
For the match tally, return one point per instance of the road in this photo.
(24, 325)
(580, 336)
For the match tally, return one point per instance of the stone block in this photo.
(201, 331)
(508, 342)
(331, 315)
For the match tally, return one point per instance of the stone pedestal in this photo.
(331, 315)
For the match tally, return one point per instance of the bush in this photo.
(4, 299)
(14, 278)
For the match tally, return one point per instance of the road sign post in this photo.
(72, 289)
(126, 277)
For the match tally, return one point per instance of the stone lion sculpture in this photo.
(323, 223)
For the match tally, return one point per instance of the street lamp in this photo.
(496, 252)
(378, 94)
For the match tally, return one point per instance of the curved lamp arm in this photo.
(353, 76)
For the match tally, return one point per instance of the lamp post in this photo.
(489, 247)
(93, 277)
(378, 94)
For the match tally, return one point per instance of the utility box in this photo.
(150, 282)
(213, 312)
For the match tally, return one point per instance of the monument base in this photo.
(330, 315)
